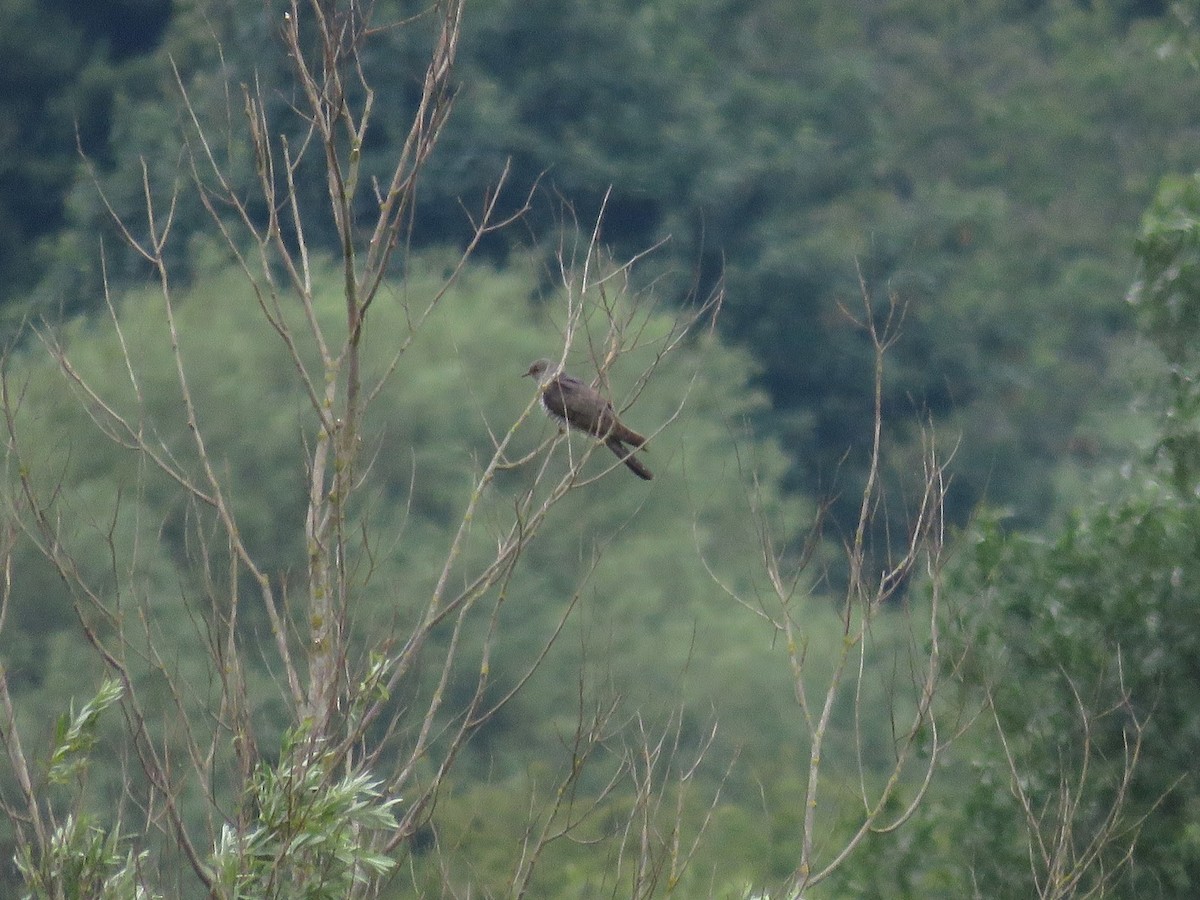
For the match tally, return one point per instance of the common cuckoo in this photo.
(584, 408)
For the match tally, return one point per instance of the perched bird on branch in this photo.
(583, 408)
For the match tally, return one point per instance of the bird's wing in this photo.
(554, 396)
(585, 408)
(581, 406)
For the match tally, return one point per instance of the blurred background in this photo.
(991, 167)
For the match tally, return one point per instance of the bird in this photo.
(583, 408)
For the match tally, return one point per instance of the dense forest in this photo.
(303, 596)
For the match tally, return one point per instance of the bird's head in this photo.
(542, 371)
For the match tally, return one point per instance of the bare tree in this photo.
(357, 774)
(875, 583)
(1071, 848)
(1081, 833)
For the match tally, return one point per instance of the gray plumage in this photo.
(585, 409)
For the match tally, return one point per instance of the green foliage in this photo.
(952, 153)
(649, 630)
(147, 136)
(75, 735)
(984, 163)
(43, 55)
(1012, 267)
(310, 836)
(1084, 643)
(1167, 299)
(84, 862)
(82, 859)
(1102, 610)
(61, 63)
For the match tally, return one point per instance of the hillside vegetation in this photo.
(905, 294)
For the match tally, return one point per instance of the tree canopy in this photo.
(976, 172)
(986, 165)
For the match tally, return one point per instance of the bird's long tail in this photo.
(626, 456)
